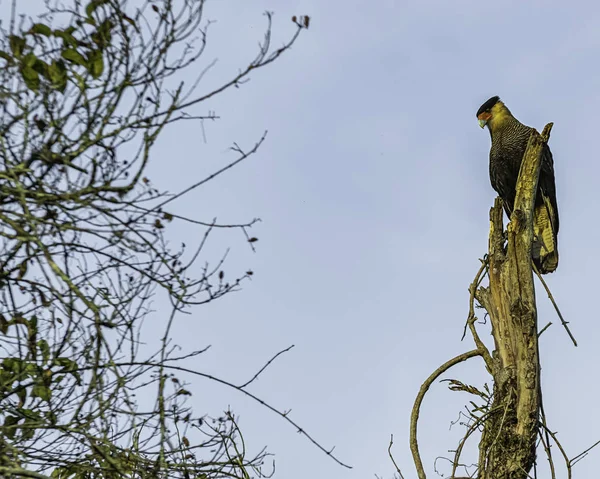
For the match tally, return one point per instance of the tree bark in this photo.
(507, 447)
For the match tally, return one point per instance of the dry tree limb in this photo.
(472, 290)
(472, 318)
(414, 417)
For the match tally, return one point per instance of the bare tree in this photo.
(85, 91)
(508, 418)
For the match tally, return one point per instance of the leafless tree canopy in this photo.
(85, 91)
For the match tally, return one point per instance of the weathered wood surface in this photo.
(507, 447)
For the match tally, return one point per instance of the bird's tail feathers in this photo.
(545, 241)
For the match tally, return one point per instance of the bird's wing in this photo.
(547, 186)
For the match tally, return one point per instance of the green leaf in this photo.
(31, 416)
(79, 80)
(41, 391)
(73, 56)
(6, 380)
(68, 364)
(58, 75)
(33, 420)
(95, 63)
(9, 426)
(17, 44)
(23, 265)
(7, 57)
(40, 29)
(51, 416)
(44, 349)
(29, 60)
(22, 394)
(31, 369)
(20, 169)
(92, 6)
(41, 67)
(67, 37)
(14, 365)
(31, 77)
(102, 36)
(66, 472)
(27, 433)
(33, 324)
(3, 324)
(70, 472)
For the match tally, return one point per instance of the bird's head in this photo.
(492, 112)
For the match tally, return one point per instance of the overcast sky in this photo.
(374, 194)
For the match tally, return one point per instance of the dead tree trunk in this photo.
(508, 443)
(511, 422)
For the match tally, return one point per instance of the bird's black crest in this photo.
(488, 104)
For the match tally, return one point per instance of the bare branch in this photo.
(250, 381)
(414, 417)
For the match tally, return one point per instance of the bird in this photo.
(509, 142)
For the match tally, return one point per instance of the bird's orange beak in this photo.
(484, 118)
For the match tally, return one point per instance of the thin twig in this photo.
(266, 366)
(564, 454)
(476, 282)
(580, 456)
(544, 328)
(283, 415)
(546, 444)
(392, 457)
(463, 441)
(489, 363)
(562, 320)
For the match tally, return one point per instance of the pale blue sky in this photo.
(374, 193)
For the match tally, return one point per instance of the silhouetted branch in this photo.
(562, 320)
(392, 457)
(265, 367)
